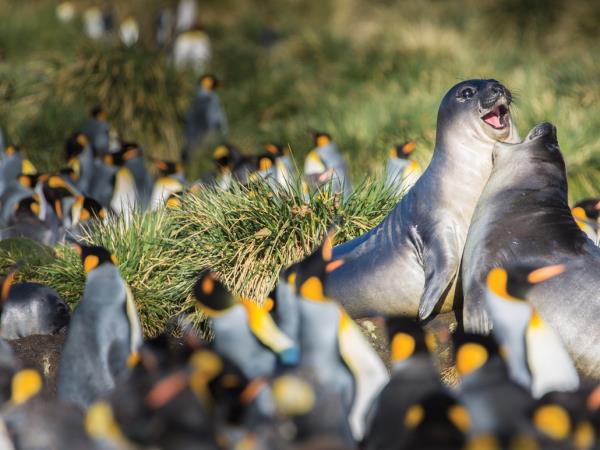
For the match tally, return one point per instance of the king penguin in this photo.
(587, 214)
(244, 332)
(25, 222)
(205, 116)
(402, 171)
(80, 158)
(169, 181)
(124, 198)
(97, 131)
(414, 377)
(536, 355)
(324, 164)
(497, 405)
(285, 169)
(332, 346)
(104, 334)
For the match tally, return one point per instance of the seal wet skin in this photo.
(523, 216)
(408, 264)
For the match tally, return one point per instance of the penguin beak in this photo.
(545, 273)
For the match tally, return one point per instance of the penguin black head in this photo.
(437, 419)
(130, 150)
(11, 150)
(93, 256)
(98, 113)
(562, 415)
(312, 271)
(276, 150)
(403, 151)
(226, 156)
(29, 206)
(212, 298)
(588, 209)
(321, 139)
(86, 208)
(472, 351)
(167, 168)
(407, 338)
(515, 281)
(76, 143)
(30, 180)
(209, 82)
(264, 162)
(55, 189)
(70, 173)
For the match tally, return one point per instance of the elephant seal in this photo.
(408, 264)
(33, 308)
(523, 216)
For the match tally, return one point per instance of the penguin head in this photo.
(403, 151)
(587, 209)
(226, 157)
(98, 113)
(321, 139)
(75, 145)
(563, 415)
(93, 256)
(310, 273)
(212, 298)
(130, 150)
(514, 282)
(85, 209)
(437, 419)
(473, 351)
(264, 162)
(69, 173)
(29, 206)
(55, 189)
(276, 150)
(12, 150)
(407, 338)
(167, 168)
(209, 82)
(31, 180)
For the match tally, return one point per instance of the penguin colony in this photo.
(293, 370)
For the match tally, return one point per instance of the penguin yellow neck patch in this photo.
(484, 442)
(460, 417)
(312, 289)
(470, 357)
(322, 140)
(584, 436)
(25, 384)
(402, 347)
(552, 420)
(90, 263)
(100, 423)
(496, 282)
(536, 321)
(414, 416)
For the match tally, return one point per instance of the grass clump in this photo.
(246, 235)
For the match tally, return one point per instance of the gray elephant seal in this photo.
(523, 215)
(32, 308)
(408, 264)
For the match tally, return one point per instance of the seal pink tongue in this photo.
(493, 119)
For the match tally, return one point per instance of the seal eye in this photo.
(466, 93)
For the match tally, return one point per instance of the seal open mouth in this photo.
(497, 118)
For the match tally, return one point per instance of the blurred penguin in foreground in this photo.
(205, 115)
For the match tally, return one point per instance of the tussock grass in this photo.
(246, 235)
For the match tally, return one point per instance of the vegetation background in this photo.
(371, 73)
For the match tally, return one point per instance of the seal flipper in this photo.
(475, 317)
(440, 265)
